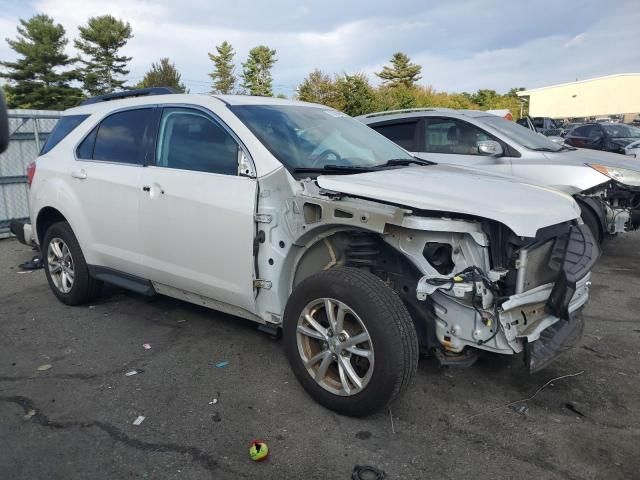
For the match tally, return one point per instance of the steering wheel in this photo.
(316, 161)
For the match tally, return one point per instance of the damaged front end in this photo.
(529, 298)
(619, 205)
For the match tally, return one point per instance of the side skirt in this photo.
(121, 279)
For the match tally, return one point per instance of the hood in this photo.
(580, 156)
(522, 207)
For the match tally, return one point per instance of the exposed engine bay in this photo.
(619, 204)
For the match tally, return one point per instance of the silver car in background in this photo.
(605, 185)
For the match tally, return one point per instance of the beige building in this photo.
(596, 97)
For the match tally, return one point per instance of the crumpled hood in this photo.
(522, 207)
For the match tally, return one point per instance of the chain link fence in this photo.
(28, 131)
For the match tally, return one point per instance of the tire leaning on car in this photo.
(66, 268)
(350, 340)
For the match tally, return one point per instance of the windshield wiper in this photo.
(545, 149)
(405, 161)
(334, 168)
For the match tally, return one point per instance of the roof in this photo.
(525, 93)
(107, 106)
(417, 112)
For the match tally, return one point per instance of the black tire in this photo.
(84, 288)
(593, 222)
(393, 337)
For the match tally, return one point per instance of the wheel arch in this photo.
(595, 207)
(47, 216)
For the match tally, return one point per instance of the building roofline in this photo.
(525, 93)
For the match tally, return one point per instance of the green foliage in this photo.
(223, 75)
(318, 87)
(163, 74)
(256, 71)
(401, 72)
(356, 96)
(40, 76)
(100, 41)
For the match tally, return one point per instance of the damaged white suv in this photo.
(300, 218)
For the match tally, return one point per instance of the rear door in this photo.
(106, 176)
(196, 213)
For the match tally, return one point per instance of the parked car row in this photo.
(309, 223)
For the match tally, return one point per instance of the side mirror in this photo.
(4, 124)
(490, 147)
(245, 165)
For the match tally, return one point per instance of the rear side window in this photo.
(63, 128)
(121, 138)
(404, 134)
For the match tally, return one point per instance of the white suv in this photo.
(300, 218)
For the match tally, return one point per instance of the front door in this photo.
(196, 213)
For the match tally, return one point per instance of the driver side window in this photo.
(452, 136)
(191, 140)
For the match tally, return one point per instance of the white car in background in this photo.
(605, 185)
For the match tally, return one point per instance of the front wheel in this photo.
(350, 340)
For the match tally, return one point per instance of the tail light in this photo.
(31, 172)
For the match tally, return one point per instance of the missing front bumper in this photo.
(554, 340)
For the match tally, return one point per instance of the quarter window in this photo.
(121, 138)
(404, 134)
(192, 140)
(63, 128)
(448, 135)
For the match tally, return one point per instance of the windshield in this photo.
(618, 130)
(312, 137)
(520, 134)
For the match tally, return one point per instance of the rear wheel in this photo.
(350, 340)
(66, 268)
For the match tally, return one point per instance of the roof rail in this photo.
(405, 110)
(141, 92)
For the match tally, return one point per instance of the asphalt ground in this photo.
(75, 420)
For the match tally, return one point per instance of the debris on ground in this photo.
(44, 367)
(258, 450)
(222, 364)
(138, 420)
(213, 402)
(146, 346)
(571, 406)
(134, 372)
(30, 414)
(34, 264)
(521, 409)
(366, 472)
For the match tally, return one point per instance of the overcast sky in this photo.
(461, 45)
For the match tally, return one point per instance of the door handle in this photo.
(79, 174)
(153, 190)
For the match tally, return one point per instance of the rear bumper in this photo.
(23, 232)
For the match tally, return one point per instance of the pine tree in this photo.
(318, 87)
(163, 74)
(100, 41)
(256, 71)
(223, 75)
(40, 76)
(357, 97)
(401, 72)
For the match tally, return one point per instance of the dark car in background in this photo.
(609, 137)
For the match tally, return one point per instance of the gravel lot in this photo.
(75, 420)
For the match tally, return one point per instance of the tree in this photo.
(356, 94)
(256, 71)
(100, 41)
(318, 87)
(162, 74)
(401, 72)
(40, 76)
(223, 75)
